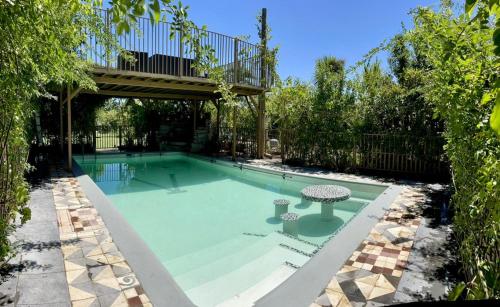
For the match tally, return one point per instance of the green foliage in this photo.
(443, 78)
(40, 53)
(464, 69)
(333, 96)
(125, 13)
(484, 12)
(378, 106)
(340, 106)
(38, 47)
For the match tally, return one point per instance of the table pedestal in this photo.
(327, 211)
(304, 203)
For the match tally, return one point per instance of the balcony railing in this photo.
(154, 50)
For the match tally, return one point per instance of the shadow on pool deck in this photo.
(35, 275)
(432, 267)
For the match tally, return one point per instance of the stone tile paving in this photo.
(392, 265)
(372, 274)
(36, 275)
(97, 274)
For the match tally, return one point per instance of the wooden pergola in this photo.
(162, 67)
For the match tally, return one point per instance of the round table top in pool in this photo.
(325, 193)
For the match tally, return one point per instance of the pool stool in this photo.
(290, 223)
(280, 207)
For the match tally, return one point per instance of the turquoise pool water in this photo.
(211, 224)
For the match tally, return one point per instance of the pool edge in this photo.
(302, 288)
(306, 283)
(157, 282)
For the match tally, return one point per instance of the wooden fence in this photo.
(409, 154)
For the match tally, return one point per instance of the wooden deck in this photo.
(123, 83)
(155, 62)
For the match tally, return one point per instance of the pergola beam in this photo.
(155, 84)
(165, 96)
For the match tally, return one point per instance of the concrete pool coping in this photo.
(157, 282)
(298, 290)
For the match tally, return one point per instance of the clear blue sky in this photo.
(307, 30)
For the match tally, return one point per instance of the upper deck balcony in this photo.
(162, 65)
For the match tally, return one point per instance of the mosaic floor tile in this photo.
(96, 271)
(106, 286)
(81, 291)
(100, 272)
(371, 275)
(121, 268)
(77, 276)
(114, 257)
(96, 260)
(90, 302)
(92, 250)
(108, 247)
(72, 252)
(374, 286)
(113, 300)
(128, 281)
(74, 264)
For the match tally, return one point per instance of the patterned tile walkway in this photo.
(372, 274)
(96, 271)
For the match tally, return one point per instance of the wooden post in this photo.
(61, 122)
(236, 64)
(70, 155)
(261, 140)
(217, 128)
(282, 146)
(233, 147)
(195, 107)
(181, 54)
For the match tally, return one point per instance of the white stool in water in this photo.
(280, 207)
(290, 223)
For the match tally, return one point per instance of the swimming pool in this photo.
(212, 225)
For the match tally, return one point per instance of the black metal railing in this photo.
(160, 49)
(246, 140)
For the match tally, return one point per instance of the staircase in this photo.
(250, 267)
